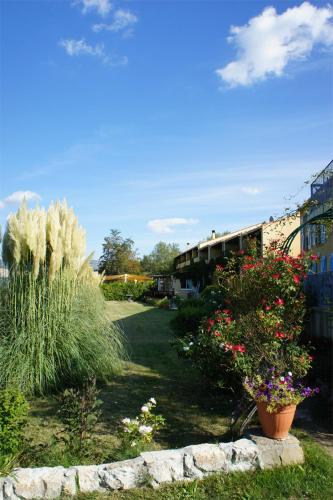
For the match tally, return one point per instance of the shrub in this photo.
(79, 412)
(188, 317)
(13, 415)
(262, 324)
(55, 328)
(118, 290)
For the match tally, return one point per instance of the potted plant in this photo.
(277, 396)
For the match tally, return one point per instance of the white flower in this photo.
(145, 429)
(282, 379)
(290, 374)
(126, 421)
(186, 348)
(133, 444)
(153, 400)
(145, 409)
(191, 343)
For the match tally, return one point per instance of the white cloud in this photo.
(166, 225)
(122, 19)
(18, 196)
(268, 42)
(102, 7)
(251, 190)
(80, 47)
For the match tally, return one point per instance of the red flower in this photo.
(268, 308)
(228, 320)
(279, 302)
(311, 358)
(217, 334)
(296, 279)
(280, 335)
(211, 322)
(276, 276)
(219, 268)
(314, 257)
(226, 311)
(238, 348)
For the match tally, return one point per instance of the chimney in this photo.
(213, 234)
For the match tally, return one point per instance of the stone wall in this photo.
(152, 468)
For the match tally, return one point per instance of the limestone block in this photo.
(164, 466)
(88, 478)
(190, 470)
(42, 482)
(69, 486)
(8, 489)
(273, 452)
(207, 457)
(122, 475)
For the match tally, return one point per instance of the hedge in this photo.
(119, 290)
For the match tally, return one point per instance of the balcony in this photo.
(322, 186)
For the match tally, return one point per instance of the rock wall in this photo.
(152, 468)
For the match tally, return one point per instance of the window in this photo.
(323, 238)
(186, 284)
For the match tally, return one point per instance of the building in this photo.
(317, 237)
(194, 266)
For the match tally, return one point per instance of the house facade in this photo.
(194, 266)
(317, 237)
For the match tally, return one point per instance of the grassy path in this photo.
(155, 370)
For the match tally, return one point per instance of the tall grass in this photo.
(54, 325)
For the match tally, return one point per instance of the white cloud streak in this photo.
(269, 41)
(122, 20)
(102, 7)
(81, 47)
(18, 197)
(163, 226)
(251, 190)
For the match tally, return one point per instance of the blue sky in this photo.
(160, 119)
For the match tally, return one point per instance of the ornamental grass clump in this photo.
(54, 326)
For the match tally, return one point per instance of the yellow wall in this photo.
(280, 230)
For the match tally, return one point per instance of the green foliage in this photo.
(188, 317)
(54, 334)
(118, 290)
(119, 255)
(13, 416)
(79, 412)
(260, 324)
(160, 260)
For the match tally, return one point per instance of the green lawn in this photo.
(193, 414)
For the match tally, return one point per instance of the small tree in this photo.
(119, 255)
(160, 260)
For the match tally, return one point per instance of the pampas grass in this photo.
(54, 325)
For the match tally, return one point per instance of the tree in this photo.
(160, 260)
(119, 255)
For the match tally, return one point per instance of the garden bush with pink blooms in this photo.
(259, 325)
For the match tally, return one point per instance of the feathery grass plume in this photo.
(54, 325)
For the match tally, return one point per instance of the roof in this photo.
(226, 237)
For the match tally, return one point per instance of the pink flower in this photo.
(296, 279)
(279, 302)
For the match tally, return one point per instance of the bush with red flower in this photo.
(260, 323)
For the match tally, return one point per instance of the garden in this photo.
(86, 381)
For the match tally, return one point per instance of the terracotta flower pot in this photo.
(276, 425)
